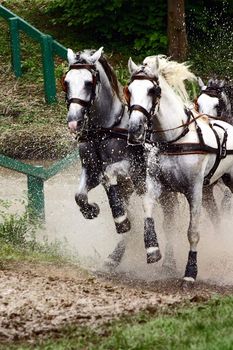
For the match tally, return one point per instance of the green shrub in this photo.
(119, 23)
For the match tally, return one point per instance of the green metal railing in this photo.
(36, 175)
(49, 48)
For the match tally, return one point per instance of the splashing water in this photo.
(92, 240)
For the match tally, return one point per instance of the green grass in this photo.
(18, 239)
(206, 326)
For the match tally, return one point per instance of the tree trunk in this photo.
(177, 38)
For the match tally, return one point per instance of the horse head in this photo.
(214, 99)
(142, 95)
(80, 84)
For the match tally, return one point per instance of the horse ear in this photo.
(222, 83)
(96, 56)
(200, 82)
(126, 94)
(210, 82)
(132, 66)
(71, 56)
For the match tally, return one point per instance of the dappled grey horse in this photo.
(100, 119)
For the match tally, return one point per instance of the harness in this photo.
(173, 148)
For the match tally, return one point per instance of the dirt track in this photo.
(39, 299)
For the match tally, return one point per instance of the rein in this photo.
(183, 125)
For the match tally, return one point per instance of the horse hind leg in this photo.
(115, 257)
(227, 193)
(209, 203)
(194, 198)
(168, 202)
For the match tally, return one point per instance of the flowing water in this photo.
(90, 241)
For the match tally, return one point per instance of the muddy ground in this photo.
(39, 299)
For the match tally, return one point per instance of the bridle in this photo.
(87, 131)
(95, 80)
(155, 98)
(149, 115)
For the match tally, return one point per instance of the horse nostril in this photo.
(140, 128)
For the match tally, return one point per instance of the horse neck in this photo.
(170, 113)
(107, 105)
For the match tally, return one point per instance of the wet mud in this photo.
(36, 300)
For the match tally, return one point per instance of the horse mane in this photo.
(82, 57)
(110, 74)
(173, 72)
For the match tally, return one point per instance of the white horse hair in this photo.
(174, 73)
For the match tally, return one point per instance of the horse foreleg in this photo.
(117, 206)
(194, 198)
(168, 202)
(89, 210)
(150, 237)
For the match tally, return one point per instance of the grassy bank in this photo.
(205, 326)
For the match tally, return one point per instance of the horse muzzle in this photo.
(75, 126)
(136, 136)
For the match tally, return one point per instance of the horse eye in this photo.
(152, 91)
(88, 84)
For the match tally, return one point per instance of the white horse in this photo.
(188, 150)
(214, 99)
(97, 113)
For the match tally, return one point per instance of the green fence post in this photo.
(36, 203)
(15, 46)
(48, 68)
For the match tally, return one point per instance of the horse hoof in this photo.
(90, 212)
(110, 265)
(153, 256)
(187, 283)
(123, 227)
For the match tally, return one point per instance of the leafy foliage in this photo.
(117, 22)
(210, 31)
